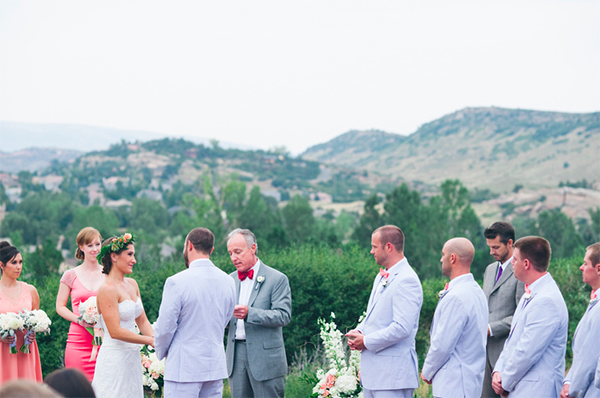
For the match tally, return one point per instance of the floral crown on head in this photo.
(118, 243)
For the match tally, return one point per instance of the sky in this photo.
(268, 74)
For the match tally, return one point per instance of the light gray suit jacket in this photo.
(597, 382)
(456, 358)
(532, 363)
(196, 306)
(586, 353)
(503, 298)
(389, 361)
(269, 310)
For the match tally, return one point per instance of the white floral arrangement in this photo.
(9, 323)
(153, 370)
(341, 379)
(34, 321)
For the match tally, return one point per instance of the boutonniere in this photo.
(259, 279)
(527, 293)
(384, 275)
(593, 297)
(443, 292)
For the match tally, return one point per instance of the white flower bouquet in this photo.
(341, 379)
(88, 312)
(9, 323)
(35, 321)
(153, 370)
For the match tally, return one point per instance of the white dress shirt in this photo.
(245, 292)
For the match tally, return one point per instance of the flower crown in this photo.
(118, 243)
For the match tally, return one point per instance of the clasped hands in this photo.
(497, 385)
(240, 311)
(356, 340)
(11, 339)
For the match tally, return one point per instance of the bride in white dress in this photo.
(118, 367)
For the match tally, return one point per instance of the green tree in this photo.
(368, 222)
(298, 220)
(43, 262)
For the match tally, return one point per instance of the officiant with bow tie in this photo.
(256, 360)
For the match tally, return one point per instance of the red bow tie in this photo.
(593, 296)
(244, 275)
(383, 273)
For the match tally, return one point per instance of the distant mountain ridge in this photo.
(492, 148)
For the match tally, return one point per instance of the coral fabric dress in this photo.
(79, 341)
(19, 366)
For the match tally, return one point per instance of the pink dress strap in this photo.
(68, 277)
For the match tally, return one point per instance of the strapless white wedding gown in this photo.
(119, 367)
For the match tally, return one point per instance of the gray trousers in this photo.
(243, 385)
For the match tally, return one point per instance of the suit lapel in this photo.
(374, 296)
(256, 286)
(503, 278)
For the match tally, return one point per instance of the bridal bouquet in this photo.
(153, 370)
(88, 312)
(340, 380)
(9, 323)
(35, 321)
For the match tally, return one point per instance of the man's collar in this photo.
(505, 264)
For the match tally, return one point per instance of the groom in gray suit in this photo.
(503, 292)
(256, 361)
(386, 337)
(532, 363)
(196, 306)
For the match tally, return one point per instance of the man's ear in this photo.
(190, 246)
(510, 243)
(211, 250)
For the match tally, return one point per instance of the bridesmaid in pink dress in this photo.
(15, 296)
(81, 283)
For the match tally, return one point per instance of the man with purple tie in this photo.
(503, 292)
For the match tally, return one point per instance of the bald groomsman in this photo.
(503, 292)
(455, 362)
(586, 341)
(532, 363)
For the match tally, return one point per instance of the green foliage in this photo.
(43, 262)
(426, 226)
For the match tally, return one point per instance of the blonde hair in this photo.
(84, 237)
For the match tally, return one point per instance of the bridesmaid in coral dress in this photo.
(81, 283)
(15, 296)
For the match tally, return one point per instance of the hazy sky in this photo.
(291, 73)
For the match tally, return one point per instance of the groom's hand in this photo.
(240, 311)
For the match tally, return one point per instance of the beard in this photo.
(186, 259)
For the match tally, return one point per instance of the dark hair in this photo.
(502, 229)
(391, 234)
(25, 388)
(202, 239)
(106, 260)
(85, 236)
(7, 252)
(595, 253)
(535, 249)
(70, 383)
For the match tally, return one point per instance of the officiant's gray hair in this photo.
(247, 234)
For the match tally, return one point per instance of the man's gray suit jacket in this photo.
(503, 298)
(269, 310)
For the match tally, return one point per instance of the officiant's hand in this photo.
(240, 311)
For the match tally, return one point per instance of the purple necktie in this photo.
(499, 273)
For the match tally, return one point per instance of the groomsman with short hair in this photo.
(532, 363)
(455, 362)
(579, 382)
(386, 337)
(503, 292)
